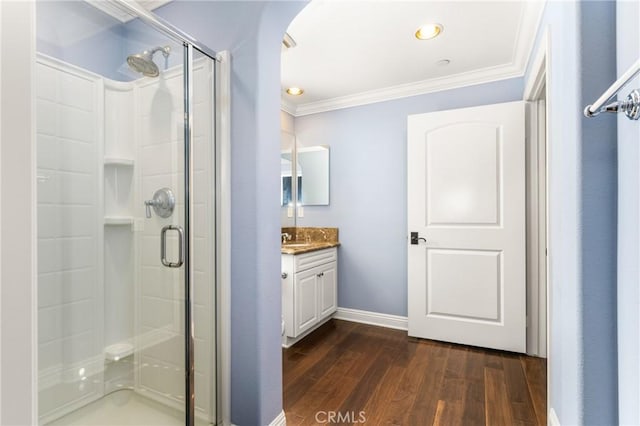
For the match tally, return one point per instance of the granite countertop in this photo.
(296, 247)
(307, 239)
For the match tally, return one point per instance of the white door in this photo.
(466, 201)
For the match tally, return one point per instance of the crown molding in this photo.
(110, 7)
(530, 18)
(455, 81)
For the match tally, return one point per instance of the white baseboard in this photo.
(281, 420)
(372, 318)
(553, 418)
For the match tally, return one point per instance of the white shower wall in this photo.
(100, 283)
(70, 264)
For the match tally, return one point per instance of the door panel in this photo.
(473, 277)
(462, 174)
(466, 199)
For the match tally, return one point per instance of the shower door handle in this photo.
(163, 246)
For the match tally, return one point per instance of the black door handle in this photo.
(415, 238)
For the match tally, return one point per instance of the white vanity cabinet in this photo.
(309, 291)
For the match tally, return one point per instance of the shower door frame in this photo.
(189, 335)
(221, 212)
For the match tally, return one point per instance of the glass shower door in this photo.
(161, 236)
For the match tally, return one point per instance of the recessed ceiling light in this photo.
(295, 91)
(443, 62)
(428, 31)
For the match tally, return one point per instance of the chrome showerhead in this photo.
(143, 62)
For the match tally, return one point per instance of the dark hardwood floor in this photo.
(345, 368)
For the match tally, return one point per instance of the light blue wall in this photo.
(599, 216)
(582, 171)
(368, 200)
(628, 51)
(599, 195)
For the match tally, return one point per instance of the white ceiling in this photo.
(356, 52)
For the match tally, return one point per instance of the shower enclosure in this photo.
(126, 199)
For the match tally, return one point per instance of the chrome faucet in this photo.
(285, 236)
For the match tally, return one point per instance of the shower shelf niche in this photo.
(118, 195)
(112, 161)
(118, 220)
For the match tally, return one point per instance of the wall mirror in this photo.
(313, 178)
(304, 177)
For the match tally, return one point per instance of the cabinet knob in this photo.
(284, 275)
(321, 274)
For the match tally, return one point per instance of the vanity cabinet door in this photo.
(306, 302)
(309, 291)
(328, 289)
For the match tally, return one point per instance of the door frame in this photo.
(538, 87)
(536, 90)
(223, 236)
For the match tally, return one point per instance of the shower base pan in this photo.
(123, 408)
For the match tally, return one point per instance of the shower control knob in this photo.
(163, 202)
